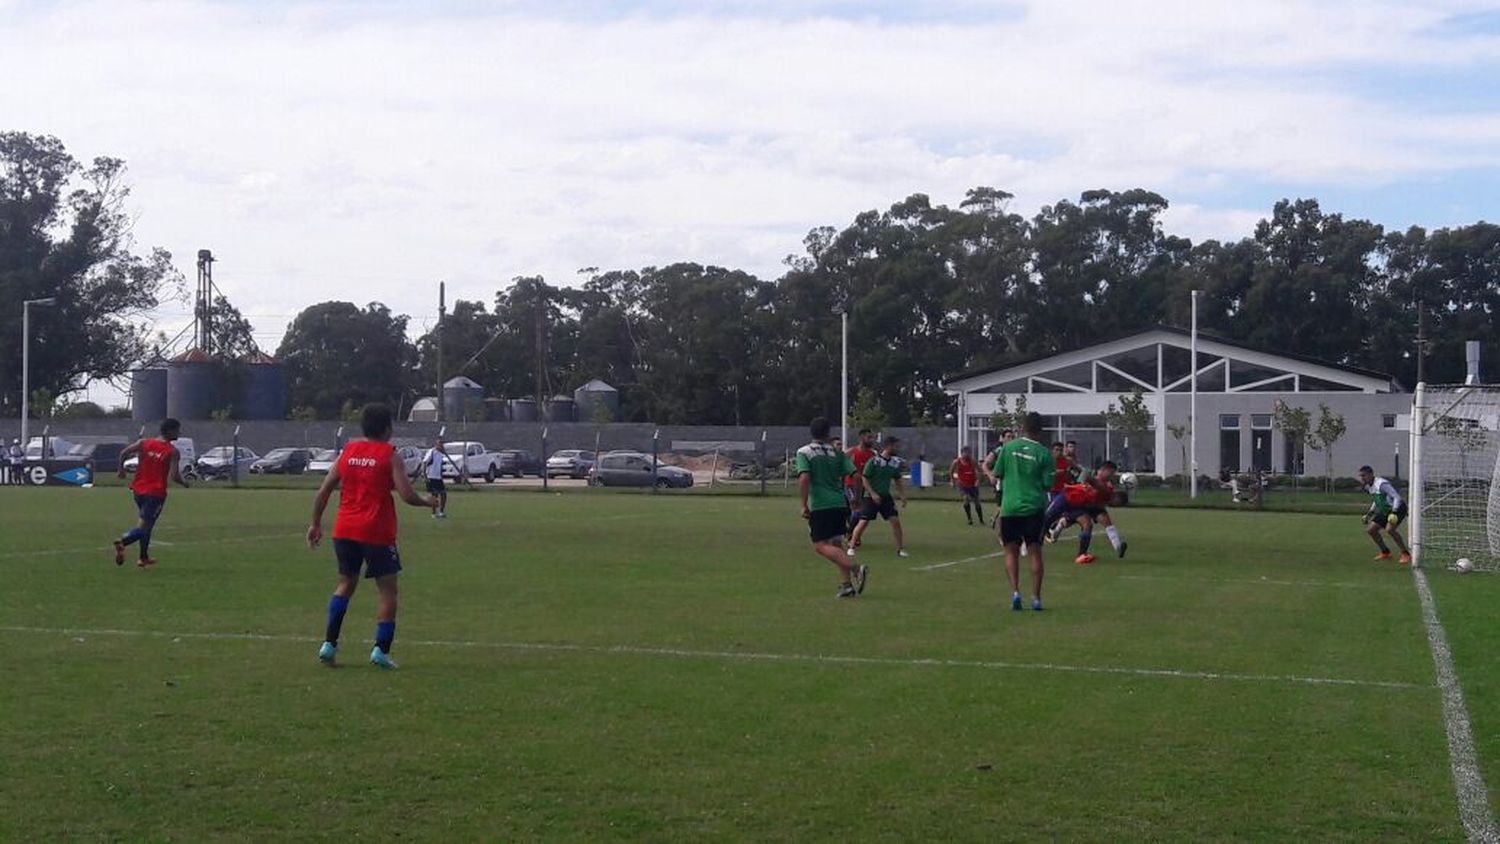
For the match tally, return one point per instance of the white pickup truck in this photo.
(473, 458)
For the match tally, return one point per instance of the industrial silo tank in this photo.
(593, 396)
(462, 400)
(260, 389)
(193, 386)
(496, 410)
(148, 395)
(560, 409)
(523, 410)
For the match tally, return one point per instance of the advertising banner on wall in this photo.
(47, 473)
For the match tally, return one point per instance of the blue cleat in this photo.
(381, 659)
(1036, 604)
(1015, 601)
(327, 653)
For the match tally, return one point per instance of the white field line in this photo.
(1468, 780)
(935, 566)
(1262, 581)
(99, 549)
(751, 656)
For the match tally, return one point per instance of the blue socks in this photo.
(135, 535)
(1083, 543)
(337, 606)
(385, 633)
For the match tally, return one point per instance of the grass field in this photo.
(637, 666)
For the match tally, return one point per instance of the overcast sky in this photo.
(363, 151)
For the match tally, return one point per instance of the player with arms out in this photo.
(1386, 513)
(364, 532)
(964, 474)
(881, 472)
(821, 470)
(1025, 468)
(159, 463)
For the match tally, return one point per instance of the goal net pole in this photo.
(1414, 492)
(1454, 499)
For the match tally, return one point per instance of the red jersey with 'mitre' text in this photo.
(966, 472)
(367, 513)
(151, 471)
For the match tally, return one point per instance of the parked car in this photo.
(473, 458)
(104, 455)
(322, 461)
(282, 461)
(53, 448)
(570, 463)
(223, 461)
(411, 458)
(187, 461)
(519, 462)
(632, 468)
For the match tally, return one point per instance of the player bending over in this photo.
(1088, 505)
(1024, 468)
(364, 532)
(881, 472)
(1386, 513)
(159, 462)
(821, 470)
(964, 474)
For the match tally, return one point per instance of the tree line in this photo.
(930, 290)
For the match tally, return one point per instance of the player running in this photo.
(964, 474)
(1386, 513)
(1025, 468)
(881, 472)
(821, 470)
(364, 532)
(159, 463)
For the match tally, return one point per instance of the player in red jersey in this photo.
(158, 464)
(1088, 505)
(364, 532)
(854, 485)
(964, 474)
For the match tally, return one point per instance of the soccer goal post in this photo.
(1455, 474)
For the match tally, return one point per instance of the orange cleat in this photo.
(119, 553)
(1383, 557)
(145, 563)
(1085, 559)
(1405, 559)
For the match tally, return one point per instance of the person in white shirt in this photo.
(432, 468)
(1387, 512)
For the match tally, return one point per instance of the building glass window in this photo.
(1387, 420)
(1229, 442)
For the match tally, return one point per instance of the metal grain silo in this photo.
(260, 388)
(594, 395)
(148, 395)
(463, 400)
(496, 410)
(560, 409)
(523, 410)
(193, 386)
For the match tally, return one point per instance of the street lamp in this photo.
(26, 364)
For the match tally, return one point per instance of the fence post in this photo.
(713, 472)
(543, 457)
(762, 471)
(234, 458)
(655, 452)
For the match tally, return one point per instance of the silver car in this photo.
(632, 468)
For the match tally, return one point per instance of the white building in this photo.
(1237, 391)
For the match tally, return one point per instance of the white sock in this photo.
(1114, 536)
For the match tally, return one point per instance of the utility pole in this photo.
(1421, 341)
(442, 310)
(541, 348)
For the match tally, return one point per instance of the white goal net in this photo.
(1455, 493)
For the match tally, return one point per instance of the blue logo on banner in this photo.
(78, 477)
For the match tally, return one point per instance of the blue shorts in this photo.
(969, 492)
(376, 560)
(150, 507)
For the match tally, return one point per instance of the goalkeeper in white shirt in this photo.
(432, 468)
(1387, 512)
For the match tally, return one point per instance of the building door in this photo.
(1260, 442)
(1229, 442)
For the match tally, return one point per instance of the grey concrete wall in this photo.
(1365, 442)
(937, 444)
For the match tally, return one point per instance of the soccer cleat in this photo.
(1085, 559)
(861, 575)
(1405, 559)
(1036, 604)
(119, 553)
(327, 653)
(850, 550)
(901, 552)
(1383, 556)
(1015, 602)
(847, 590)
(145, 563)
(1123, 546)
(381, 659)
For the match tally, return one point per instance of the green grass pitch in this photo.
(675, 666)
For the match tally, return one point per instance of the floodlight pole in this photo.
(844, 380)
(1192, 466)
(26, 366)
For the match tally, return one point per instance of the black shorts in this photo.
(436, 486)
(970, 492)
(886, 509)
(149, 507)
(828, 523)
(1400, 513)
(1023, 529)
(376, 560)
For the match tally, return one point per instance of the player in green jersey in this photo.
(883, 472)
(821, 469)
(1025, 468)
